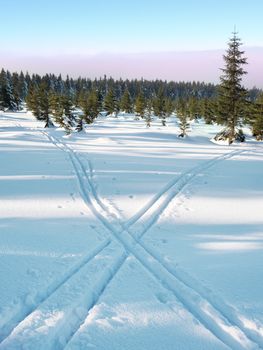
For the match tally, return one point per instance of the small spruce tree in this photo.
(159, 105)
(207, 110)
(111, 105)
(56, 108)
(148, 113)
(182, 113)
(256, 119)
(140, 105)
(169, 107)
(32, 101)
(126, 102)
(7, 98)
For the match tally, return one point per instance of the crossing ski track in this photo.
(217, 320)
(181, 183)
(240, 338)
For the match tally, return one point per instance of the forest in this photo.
(74, 103)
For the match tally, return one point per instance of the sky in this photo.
(166, 39)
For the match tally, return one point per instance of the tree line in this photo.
(72, 103)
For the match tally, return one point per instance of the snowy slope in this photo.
(125, 237)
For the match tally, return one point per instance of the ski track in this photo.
(185, 179)
(225, 328)
(54, 322)
(213, 319)
(14, 320)
(182, 182)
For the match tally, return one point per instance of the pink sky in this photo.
(178, 66)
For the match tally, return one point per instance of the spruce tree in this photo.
(91, 107)
(140, 105)
(83, 103)
(232, 95)
(207, 110)
(159, 105)
(56, 107)
(32, 101)
(111, 104)
(256, 119)
(193, 106)
(68, 115)
(148, 113)
(7, 98)
(182, 113)
(126, 102)
(38, 101)
(16, 90)
(23, 86)
(44, 104)
(169, 107)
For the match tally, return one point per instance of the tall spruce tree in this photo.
(232, 95)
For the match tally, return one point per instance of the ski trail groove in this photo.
(229, 334)
(101, 205)
(97, 292)
(15, 320)
(225, 309)
(181, 181)
(63, 312)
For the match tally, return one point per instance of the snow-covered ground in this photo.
(129, 238)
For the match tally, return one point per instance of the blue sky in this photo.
(45, 28)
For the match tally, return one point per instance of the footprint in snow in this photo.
(132, 263)
(33, 273)
(162, 297)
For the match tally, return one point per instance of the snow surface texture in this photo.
(125, 237)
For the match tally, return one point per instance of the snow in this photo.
(128, 237)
